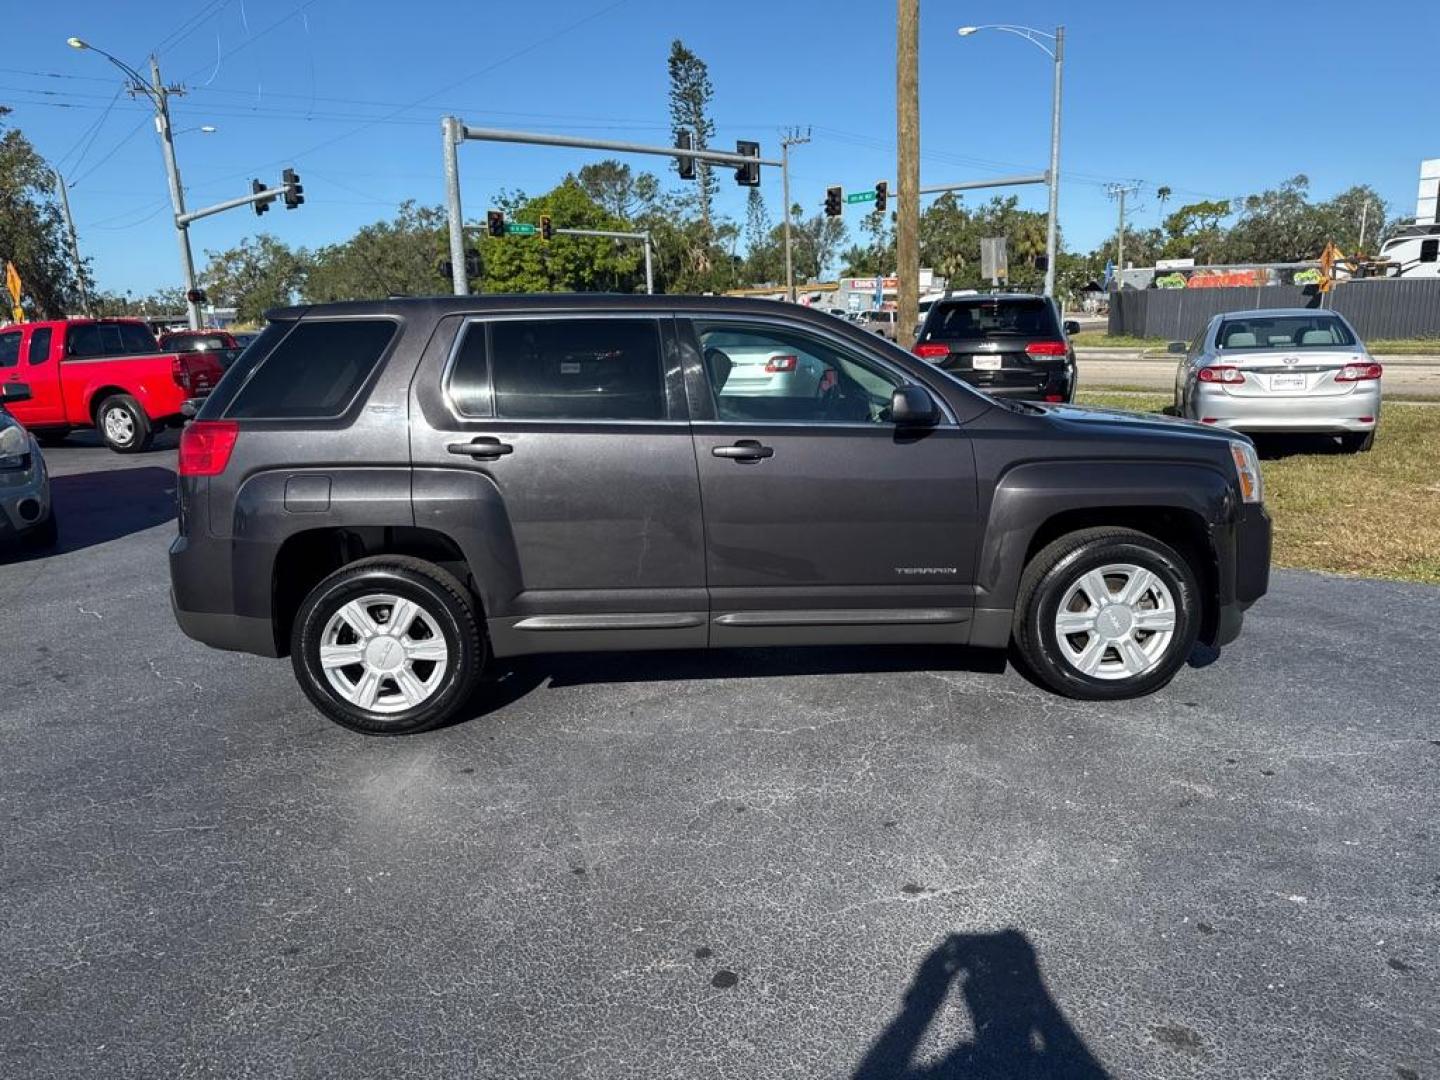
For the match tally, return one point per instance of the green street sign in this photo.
(860, 196)
(519, 229)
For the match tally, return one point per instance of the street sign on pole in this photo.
(993, 261)
(860, 196)
(519, 228)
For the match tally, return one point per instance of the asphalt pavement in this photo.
(865, 863)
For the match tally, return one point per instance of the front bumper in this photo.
(1278, 412)
(1242, 555)
(24, 498)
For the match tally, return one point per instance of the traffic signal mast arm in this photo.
(835, 196)
(263, 195)
(715, 157)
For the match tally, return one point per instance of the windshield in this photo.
(979, 320)
(1284, 332)
(109, 339)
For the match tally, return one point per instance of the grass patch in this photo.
(1098, 339)
(1376, 514)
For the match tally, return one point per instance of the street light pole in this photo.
(1052, 252)
(792, 138)
(1057, 56)
(75, 243)
(159, 95)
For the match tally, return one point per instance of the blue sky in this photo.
(1213, 100)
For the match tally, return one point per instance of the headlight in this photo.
(14, 447)
(1247, 469)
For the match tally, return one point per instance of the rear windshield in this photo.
(313, 372)
(84, 340)
(1284, 332)
(980, 320)
(193, 342)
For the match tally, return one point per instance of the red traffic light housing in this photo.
(294, 193)
(748, 175)
(685, 163)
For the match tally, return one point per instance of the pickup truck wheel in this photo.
(1106, 613)
(388, 646)
(123, 424)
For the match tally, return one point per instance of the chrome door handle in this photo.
(744, 450)
(482, 448)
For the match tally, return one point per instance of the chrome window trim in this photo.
(654, 318)
(840, 343)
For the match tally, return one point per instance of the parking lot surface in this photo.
(795, 863)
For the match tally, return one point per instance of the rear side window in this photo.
(980, 320)
(39, 350)
(10, 349)
(576, 369)
(469, 381)
(315, 371)
(1429, 251)
(85, 340)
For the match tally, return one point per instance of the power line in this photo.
(185, 29)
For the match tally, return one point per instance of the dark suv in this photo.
(1011, 345)
(395, 493)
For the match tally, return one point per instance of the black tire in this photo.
(53, 437)
(441, 598)
(1060, 565)
(45, 535)
(1357, 442)
(141, 432)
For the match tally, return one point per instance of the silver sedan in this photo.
(1281, 370)
(25, 511)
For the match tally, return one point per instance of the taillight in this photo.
(1359, 372)
(932, 350)
(205, 446)
(1222, 374)
(1055, 398)
(180, 372)
(780, 363)
(1046, 348)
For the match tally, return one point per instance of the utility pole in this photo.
(907, 152)
(789, 139)
(75, 243)
(1118, 192)
(160, 93)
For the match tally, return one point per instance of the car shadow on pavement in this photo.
(1016, 1030)
(97, 507)
(1279, 447)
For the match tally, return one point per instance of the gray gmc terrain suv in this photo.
(394, 493)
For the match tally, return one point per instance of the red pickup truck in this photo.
(102, 373)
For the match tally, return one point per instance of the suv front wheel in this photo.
(1106, 613)
(388, 645)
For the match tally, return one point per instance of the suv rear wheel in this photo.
(1106, 614)
(388, 646)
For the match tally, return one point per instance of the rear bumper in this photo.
(202, 598)
(1057, 385)
(1356, 411)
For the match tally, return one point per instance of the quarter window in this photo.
(779, 375)
(39, 350)
(576, 369)
(469, 383)
(315, 371)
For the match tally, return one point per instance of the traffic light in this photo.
(495, 222)
(748, 175)
(882, 192)
(472, 262)
(445, 268)
(685, 163)
(833, 199)
(294, 193)
(259, 205)
(547, 231)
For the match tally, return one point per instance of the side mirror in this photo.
(1071, 327)
(11, 392)
(912, 406)
(1180, 348)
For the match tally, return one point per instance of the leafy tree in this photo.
(160, 303)
(616, 189)
(1194, 232)
(258, 274)
(690, 94)
(388, 258)
(1348, 212)
(32, 231)
(1279, 225)
(567, 263)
